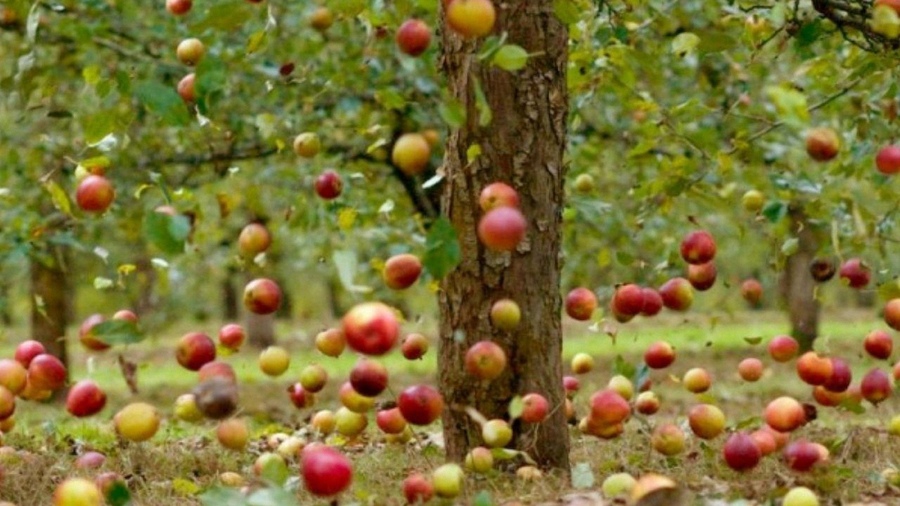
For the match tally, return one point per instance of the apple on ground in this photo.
(668, 439)
(326, 472)
(741, 452)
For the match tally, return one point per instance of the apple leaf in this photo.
(118, 494)
(582, 476)
(511, 57)
(791, 245)
(162, 100)
(272, 496)
(775, 211)
(59, 197)
(346, 263)
(225, 16)
(452, 112)
(114, 332)
(567, 11)
(640, 375)
(516, 406)
(221, 496)
(790, 105)
(753, 340)
(442, 253)
(483, 498)
(685, 43)
(166, 232)
(623, 368)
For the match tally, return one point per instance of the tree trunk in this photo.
(260, 329)
(5, 304)
(50, 299)
(230, 301)
(798, 285)
(145, 302)
(522, 146)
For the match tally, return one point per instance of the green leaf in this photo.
(162, 100)
(211, 79)
(255, 42)
(566, 11)
(640, 375)
(582, 476)
(452, 112)
(346, 263)
(790, 246)
(621, 367)
(272, 496)
(166, 232)
(516, 406)
(221, 496)
(115, 332)
(753, 340)
(59, 197)
(775, 211)
(118, 494)
(390, 98)
(98, 125)
(511, 57)
(442, 253)
(790, 105)
(483, 498)
(481, 104)
(225, 16)
(685, 43)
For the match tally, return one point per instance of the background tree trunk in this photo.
(260, 329)
(798, 285)
(522, 146)
(51, 295)
(230, 298)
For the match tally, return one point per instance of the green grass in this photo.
(184, 459)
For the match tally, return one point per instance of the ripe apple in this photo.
(485, 360)
(194, 350)
(326, 471)
(751, 291)
(765, 441)
(90, 460)
(698, 247)
(505, 314)
(535, 408)
(7, 403)
(502, 228)
(892, 314)
(307, 145)
(801, 496)
(77, 492)
(828, 398)
(498, 195)
(413, 37)
(13, 375)
(740, 452)
(329, 185)
(659, 355)
(893, 4)
(571, 385)
(647, 403)
(609, 408)
(233, 434)
(125, 315)
(390, 421)
(85, 398)
(814, 369)
(888, 160)
(186, 409)
(95, 194)
(753, 201)
(677, 294)
(580, 304)
(783, 348)
(876, 386)
(46, 372)
(313, 378)
(668, 439)
(231, 336)
(706, 421)
(262, 296)
(702, 276)
(420, 404)
(274, 361)
(878, 343)
(841, 376)
(178, 7)
(88, 339)
(496, 433)
(697, 380)
(137, 421)
(253, 240)
(186, 89)
(822, 269)
(750, 369)
(822, 144)
(622, 386)
(353, 400)
(653, 302)
(216, 398)
(190, 51)
(471, 18)
(323, 422)
(369, 377)
(27, 350)
(855, 273)
(480, 460)
(216, 369)
(417, 488)
(300, 397)
(321, 19)
(331, 342)
(801, 455)
(401, 271)
(371, 328)
(618, 484)
(349, 423)
(414, 346)
(784, 414)
(628, 299)
(411, 153)
(582, 363)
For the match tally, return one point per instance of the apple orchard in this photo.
(457, 251)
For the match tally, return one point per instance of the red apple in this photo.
(855, 273)
(186, 89)
(647, 403)
(628, 300)
(892, 314)
(262, 296)
(751, 291)
(801, 455)
(216, 369)
(840, 378)
(420, 404)
(698, 247)
(89, 460)
(677, 294)
(88, 339)
(414, 346)
(329, 185)
(741, 452)
(95, 194)
(401, 271)
(888, 160)
(178, 7)
(417, 489)
(750, 369)
(822, 144)
(876, 386)
(46, 372)
(413, 37)
(879, 343)
(371, 328)
(814, 369)
(471, 18)
(822, 269)
(498, 195)
(331, 342)
(535, 408)
(784, 414)
(828, 398)
(659, 355)
(390, 421)
(485, 360)
(194, 350)
(502, 228)
(580, 304)
(702, 276)
(609, 408)
(326, 472)
(369, 377)
(653, 302)
(125, 315)
(85, 398)
(7, 403)
(765, 441)
(571, 385)
(253, 240)
(300, 397)
(231, 336)
(27, 350)
(783, 348)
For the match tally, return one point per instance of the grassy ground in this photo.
(184, 459)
